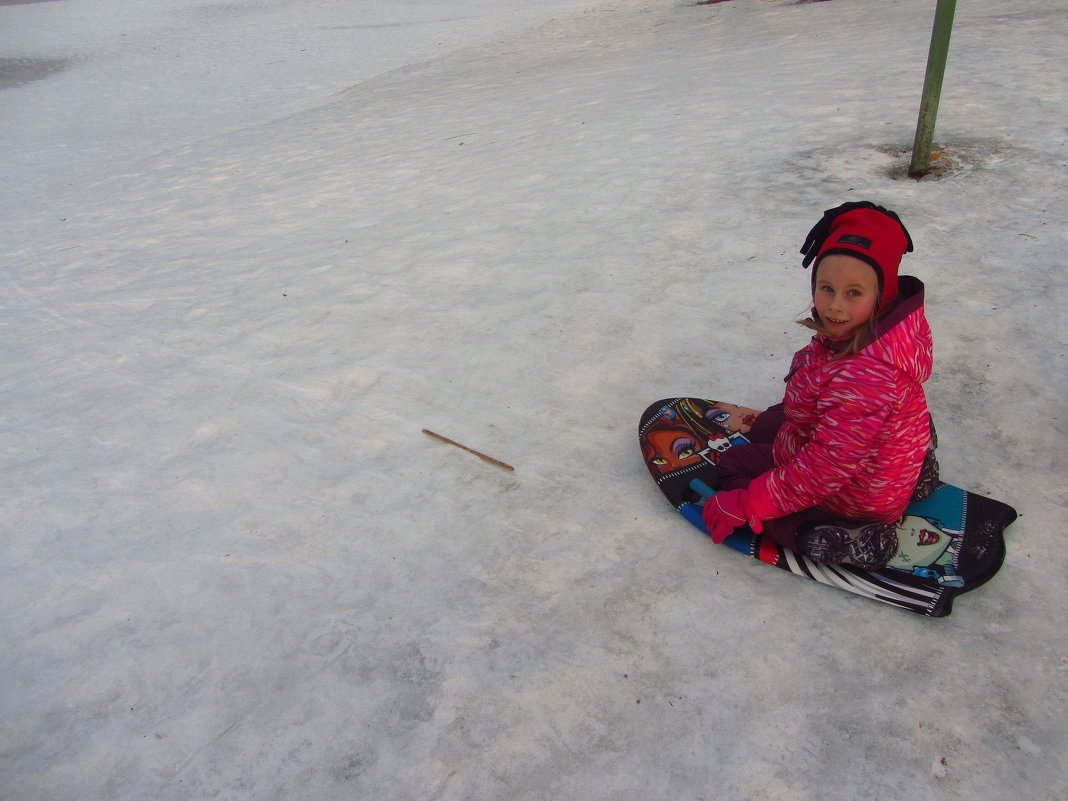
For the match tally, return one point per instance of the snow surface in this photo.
(251, 249)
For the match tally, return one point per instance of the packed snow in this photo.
(251, 249)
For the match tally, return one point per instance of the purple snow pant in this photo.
(740, 464)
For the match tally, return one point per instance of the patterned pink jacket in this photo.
(857, 428)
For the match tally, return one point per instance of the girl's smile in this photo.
(845, 294)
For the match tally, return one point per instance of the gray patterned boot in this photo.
(868, 547)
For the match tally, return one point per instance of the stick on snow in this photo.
(479, 454)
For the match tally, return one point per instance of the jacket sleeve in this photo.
(853, 408)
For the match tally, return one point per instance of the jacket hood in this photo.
(903, 337)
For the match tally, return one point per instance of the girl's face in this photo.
(847, 290)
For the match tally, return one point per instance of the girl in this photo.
(831, 468)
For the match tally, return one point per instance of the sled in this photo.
(949, 544)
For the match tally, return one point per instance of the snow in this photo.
(251, 249)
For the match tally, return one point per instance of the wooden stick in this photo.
(479, 454)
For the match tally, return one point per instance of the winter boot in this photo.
(928, 481)
(868, 547)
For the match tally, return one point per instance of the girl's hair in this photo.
(862, 336)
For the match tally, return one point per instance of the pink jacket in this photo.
(857, 428)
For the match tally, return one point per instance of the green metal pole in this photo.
(932, 87)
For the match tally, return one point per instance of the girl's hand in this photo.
(726, 511)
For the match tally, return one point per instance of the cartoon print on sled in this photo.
(926, 548)
(696, 431)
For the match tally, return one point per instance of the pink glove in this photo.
(726, 511)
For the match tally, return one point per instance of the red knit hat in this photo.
(865, 231)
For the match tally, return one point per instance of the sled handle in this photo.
(701, 488)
